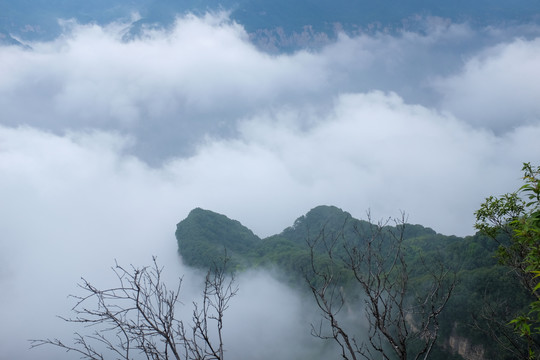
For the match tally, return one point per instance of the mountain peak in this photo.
(205, 235)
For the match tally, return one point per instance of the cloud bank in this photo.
(106, 144)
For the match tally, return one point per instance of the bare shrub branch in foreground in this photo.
(401, 324)
(137, 318)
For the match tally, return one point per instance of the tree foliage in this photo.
(517, 215)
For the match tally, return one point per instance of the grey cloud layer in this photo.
(425, 123)
(197, 78)
(169, 88)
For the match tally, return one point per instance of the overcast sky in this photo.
(105, 145)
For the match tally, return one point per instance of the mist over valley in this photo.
(118, 119)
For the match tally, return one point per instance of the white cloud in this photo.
(201, 74)
(169, 87)
(497, 88)
(372, 152)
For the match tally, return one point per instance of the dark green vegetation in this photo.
(208, 234)
(37, 19)
(516, 216)
(487, 296)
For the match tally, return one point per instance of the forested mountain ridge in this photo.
(469, 326)
(204, 234)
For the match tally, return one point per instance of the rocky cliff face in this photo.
(465, 349)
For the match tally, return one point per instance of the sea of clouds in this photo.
(106, 144)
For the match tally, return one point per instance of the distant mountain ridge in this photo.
(37, 19)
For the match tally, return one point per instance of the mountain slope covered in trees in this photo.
(475, 320)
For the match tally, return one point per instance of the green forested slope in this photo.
(486, 296)
(204, 235)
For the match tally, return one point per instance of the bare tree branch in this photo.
(379, 269)
(137, 318)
